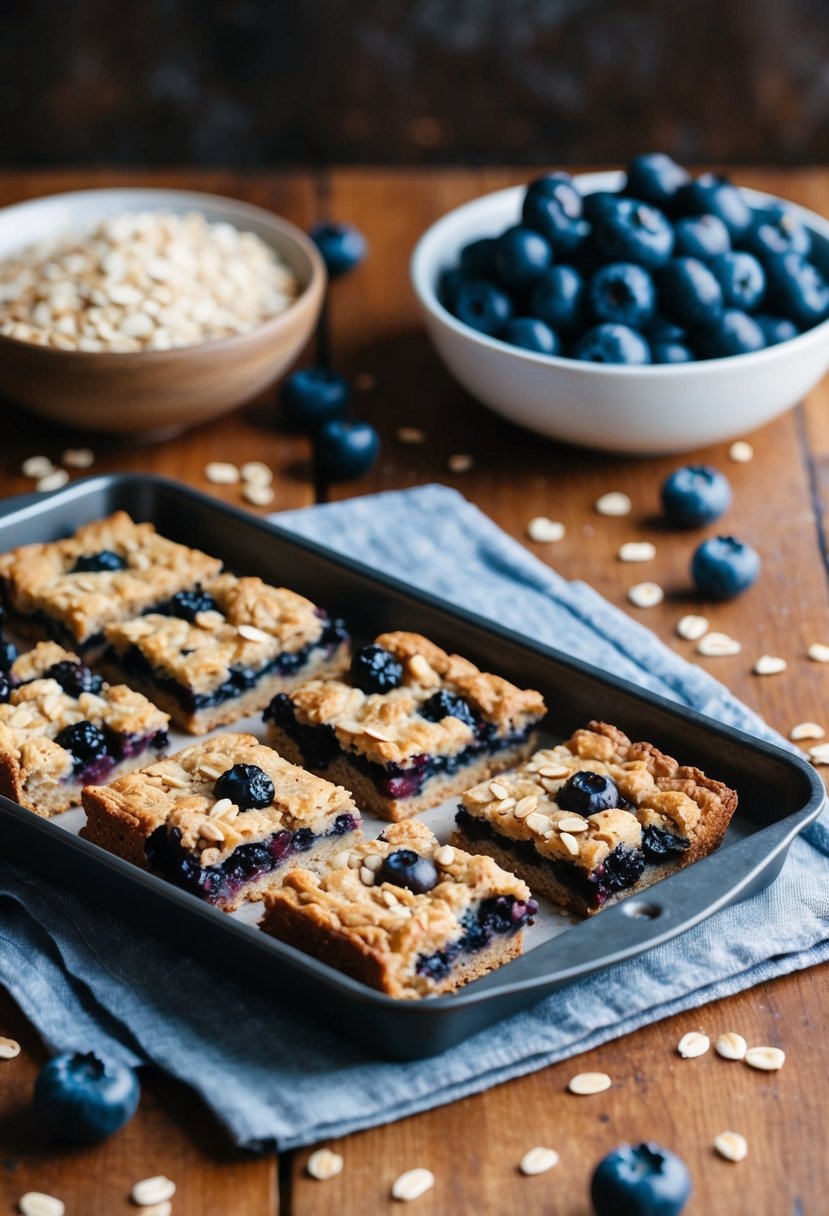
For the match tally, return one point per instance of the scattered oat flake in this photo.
(589, 1083)
(545, 530)
(460, 463)
(637, 551)
(767, 1059)
(741, 452)
(692, 627)
(257, 495)
(807, 730)
(716, 645)
(731, 1145)
(152, 1190)
(256, 473)
(221, 473)
(769, 665)
(613, 503)
(78, 458)
(818, 652)
(413, 1184)
(730, 1046)
(9, 1048)
(646, 595)
(35, 1203)
(538, 1160)
(251, 634)
(36, 466)
(693, 1044)
(53, 481)
(411, 434)
(819, 754)
(324, 1164)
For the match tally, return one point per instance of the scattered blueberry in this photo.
(247, 786)
(689, 293)
(405, 868)
(74, 678)
(723, 567)
(531, 334)
(742, 279)
(701, 236)
(374, 669)
(557, 298)
(622, 292)
(85, 741)
(445, 704)
(733, 333)
(342, 247)
(610, 343)
(797, 289)
(85, 1097)
(477, 260)
(776, 329)
(655, 178)
(521, 256)
(95, 563)
(640, 1180)
(346, 450)
(713, 194)
(671, 352)
(586, 793)
(8, 653)
(311, 396)
(483, 306)
(634, 232)
(695, 495)
(776, 229)
(546, 215)
(186, 605)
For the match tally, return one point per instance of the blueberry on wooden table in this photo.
(655, 178)
(689, 292)
(342, 247)
(713, 194)
(733, 333)
(742, 279)
(482, 306)
(346, 450)
(531, 334)
(622, 292)
(701, 236)
(521, 257)
(634, 232)
(797, 289)
(723, 567)
(375, 669)
(557, 299)
(405, 868)
(85, 1097)
(640, 1180)
(695, 495)
(313, 396)
(609, 343)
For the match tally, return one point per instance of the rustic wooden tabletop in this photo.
(473, 1147)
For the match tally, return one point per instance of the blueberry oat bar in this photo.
(110, 570)
(224, 819)
(596, 819)
(224, 652)
(404, 914)
(61, 727)
(408, 725)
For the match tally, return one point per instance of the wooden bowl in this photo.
(155, 391)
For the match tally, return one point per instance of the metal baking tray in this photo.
(779, 793)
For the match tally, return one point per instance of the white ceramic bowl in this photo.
(656, 409)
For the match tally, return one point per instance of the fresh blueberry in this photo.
(546, 215)
(742, 279)
(689, 293)
(94, 563)
(695, 495)
(521, 256)
(186, 605)
(655, 178)
(477, 260)
(797, 289)
(74, 678)
(600, 202)
(85, 1097)
(634, 232)
(660, 329)
(311, 396)
(610, 343)
(624, 293)
(8, 653)
(723, 567)
(405, 868)
(776, 329)
(449, 284)
(246, 785)
(713, 194)
(671, 352)
(5, 688)
(346, 450)
(734, 333)
(587, 793)
(701, 236)
(560, 187)
(375, 669)
(85, 741)
(532, 334)
(640, 1180)
(776, 229)
(557, 299)
(445, 704)
(658, 845)
(342, 247)
(483, 306)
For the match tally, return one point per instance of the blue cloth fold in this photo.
(276, 1080)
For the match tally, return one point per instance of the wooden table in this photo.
(473, 1147)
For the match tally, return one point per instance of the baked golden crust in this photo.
(39, 578)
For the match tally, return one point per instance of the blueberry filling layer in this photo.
(93, 769)
(247, 863)
(496, 917)
(622, 868)
(239, 680)
(319, 747)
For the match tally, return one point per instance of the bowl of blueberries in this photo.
(645, 311)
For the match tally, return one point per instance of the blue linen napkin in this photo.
(275, 1080)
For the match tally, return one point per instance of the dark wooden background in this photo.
(281, 82)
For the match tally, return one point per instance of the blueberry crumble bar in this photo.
(224, 819)
(211, 656)
(61, 726)
(596, 819)
(110, 570)
(408, 725)
(404, 914)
